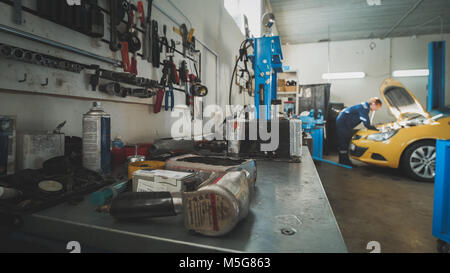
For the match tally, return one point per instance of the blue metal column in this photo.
(441, 209)
(266, 60)
(436, 78)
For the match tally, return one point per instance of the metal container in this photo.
(34, 148)
(215, 209)
(295, 139)
(97, 140)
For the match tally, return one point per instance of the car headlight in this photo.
(382, 136)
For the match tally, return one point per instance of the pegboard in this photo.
(69, 84)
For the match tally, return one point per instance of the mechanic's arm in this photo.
(366, 121)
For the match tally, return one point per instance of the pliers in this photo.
(169, 94)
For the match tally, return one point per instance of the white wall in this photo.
(311, 61)
(38, 108)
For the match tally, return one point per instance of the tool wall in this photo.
(74, 79)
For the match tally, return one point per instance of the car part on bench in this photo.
(225, 201)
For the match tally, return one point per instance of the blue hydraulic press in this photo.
(285, 134)
(266, 60)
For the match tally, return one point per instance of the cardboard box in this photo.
(161, 180)
(290, 88)
(281, 89)
(281, 82)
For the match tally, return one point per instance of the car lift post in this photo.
(436, 78)
(441, 204)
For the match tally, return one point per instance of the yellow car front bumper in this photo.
(383, 153)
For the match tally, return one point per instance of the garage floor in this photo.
(379, 204)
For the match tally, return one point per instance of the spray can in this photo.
(97, 140)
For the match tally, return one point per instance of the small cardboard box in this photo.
(281, 82)
(160, 180)
(290, 88)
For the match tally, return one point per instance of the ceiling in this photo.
(310, 21)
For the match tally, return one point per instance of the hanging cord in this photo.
(242, 52)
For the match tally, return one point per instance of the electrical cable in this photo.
(242, 50)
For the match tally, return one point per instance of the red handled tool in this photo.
(125, 57)
(159, 100)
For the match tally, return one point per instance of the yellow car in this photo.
(408, 143)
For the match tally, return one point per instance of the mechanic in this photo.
(348, 119)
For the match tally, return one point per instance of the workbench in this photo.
(290, 212)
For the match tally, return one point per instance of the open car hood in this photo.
(400, 101)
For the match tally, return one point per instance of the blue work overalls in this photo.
(348, 119)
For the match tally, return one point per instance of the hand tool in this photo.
(123, 6)
(164, 42)
(155, 45)
(173, 75)
(18, 12)
(143, 93)
(147, 50)
(28, 56)
(187, 37)
(141, 14)
(125, 57)
(130, 36)
(81, 12)
(112, 89)
(124, 92)
(18, 53)
(184, 77)
(122, 77)
(97, 20)
(169, 95)
(65, 14)
(6, 50)
(183, 30)
(166, 71)
(94, 79)
(106, 194)
(159, 100)
(58, 45)
(114, 44)
(39, 59)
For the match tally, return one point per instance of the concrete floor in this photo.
(378, 204)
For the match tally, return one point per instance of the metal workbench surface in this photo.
(288, 196)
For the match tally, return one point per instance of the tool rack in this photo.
(47, 88)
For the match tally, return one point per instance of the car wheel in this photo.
(419, 161)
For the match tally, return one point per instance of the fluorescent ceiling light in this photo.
(411, 73)
(374, 2)
(343, 76)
